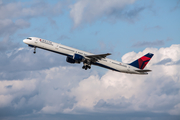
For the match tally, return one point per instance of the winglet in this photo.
(142, 62)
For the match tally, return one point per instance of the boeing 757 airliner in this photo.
(77, 56)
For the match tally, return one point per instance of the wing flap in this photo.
(100, 56)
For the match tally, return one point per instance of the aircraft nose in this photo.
(25, 40)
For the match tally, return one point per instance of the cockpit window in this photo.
(29, 38)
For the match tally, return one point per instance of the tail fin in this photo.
(142, 62)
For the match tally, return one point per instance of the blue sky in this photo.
(155, 21)
(44, 86)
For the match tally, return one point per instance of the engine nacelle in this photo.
(70, 60)
(78, 57)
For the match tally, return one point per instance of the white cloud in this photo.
(5, 100)
(52, 109)
(18, 89)
(148, 44)
(175, 110)
(69, 89)
(16, 15)
(89, 10)
(9, 27)
(28, 9)
(156, 92)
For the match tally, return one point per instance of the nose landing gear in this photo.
(34, 50)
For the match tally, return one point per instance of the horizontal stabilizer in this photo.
(143, 70)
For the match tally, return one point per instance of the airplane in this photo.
(77, 56)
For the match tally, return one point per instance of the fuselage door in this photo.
(128, 68)
(57, 47)
(36, 41)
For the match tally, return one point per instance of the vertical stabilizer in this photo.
(142, 62)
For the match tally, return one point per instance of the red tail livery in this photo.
(142, 62)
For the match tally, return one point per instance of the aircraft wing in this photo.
(97, 57)
(143, 70)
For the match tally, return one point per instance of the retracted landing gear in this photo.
(86, 65)
(34, 50)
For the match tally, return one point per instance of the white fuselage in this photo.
(69, 51)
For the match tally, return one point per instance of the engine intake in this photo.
(69, 59)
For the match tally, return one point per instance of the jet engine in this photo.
(76, 58)
(70, 59)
